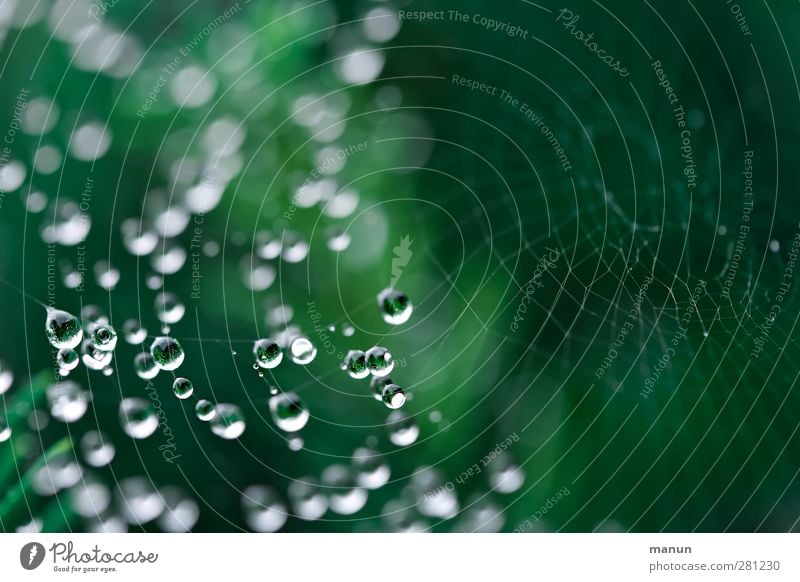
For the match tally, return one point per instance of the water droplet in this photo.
(273, 390)
(434, 497)
(63, 329)
(288, 411)
(264, 510)
(180, 511)
(302, 350)
(393, 396)
(372, 471)
(182, 388)
(295, 442)
(348, 330)
(380, 361)
(145, 366)
(6, 377)
(395, 306)
(266, 245)
(5, 430)
(505, 475)
(267, 353)
(66, 359)
(338, 239)
(98, 450)
(106, 275)
(228, 421)
(93, 358)
(103, 336)
(204, 410)
(169, 308)
(295, 248)
(67, 400)
(138, 500)
(345, 497)
(307, 500)
(167, 353)
(403, 431)
(377, 385)
(133, 331)
(137, 417)
(89, 497)
(355, 363)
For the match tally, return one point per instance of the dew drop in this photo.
(302, 350)
(307, 500)
(228, 421)
(395, 306)
(67, 400)
(133, 331)
(346, 498)
(377, 385)
(371, 469)
(169, 308)
(267, 353)
(63, 329)
(380, 361)
(288, 411)
(6, 377)
(145, 366)
(204, 410)
(355, 363)
(137, 417)
(182, 388)
(403, 431)
(167, 353)
(98, 450)
(393, 396)
(66, 359)
(103, 337)
(264, 510)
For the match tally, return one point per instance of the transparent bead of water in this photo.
(371, 469)
(228, 422)
(182, 388)
(295, 248)
(355, 364)
(67, 400)
(307, 499)
(5, 430)
(288, 411)
(137, 417)
(138, 500)
(393, 396)
(204, 410)
(346, 498)
(63, 329)
(395, 306)
(98, 451)
(66, 359)
(133, 331)
(103, 337)
(93, 358)
(267, 353)
(180, 511)
(380, 361)
(337, 240)
(435, 498)
(167, 353)
(264, 510)
(145, 366)
(377, 385)
(505, 474)
(106, 275)
(6, 377)
(90, 497)
(169, 308)
(295, 442)
(302, 351)
(402, 428)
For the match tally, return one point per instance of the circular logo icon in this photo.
(31, 555)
